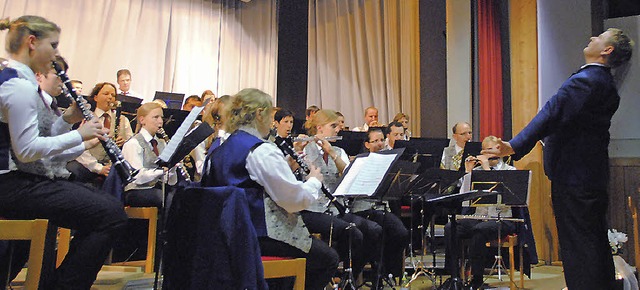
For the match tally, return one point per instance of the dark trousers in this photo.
(582, 231)
(322, 261)
(96, 217)
(365, 236)
(480, 232)
(396, 239)
(79, 173)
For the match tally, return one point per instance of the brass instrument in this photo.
(182, 168)
(311, 138)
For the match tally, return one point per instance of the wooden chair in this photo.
(511, 241)
(150, 214)
(35, 231)
(278, 267)
(636, 235)
(64, 239)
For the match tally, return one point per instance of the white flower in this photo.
(616, 239)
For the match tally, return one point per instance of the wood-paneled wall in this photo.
(524, 88)
(624, 183)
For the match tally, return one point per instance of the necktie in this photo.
(325, 157)
(154, 145)
(54, 106)
(107, 120)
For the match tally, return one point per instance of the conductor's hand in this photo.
(91, 129)
(315, 172)
(501, 150)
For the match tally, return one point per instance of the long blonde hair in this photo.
(321, 117)
(24, 26)
(144, 110)
(244, 107)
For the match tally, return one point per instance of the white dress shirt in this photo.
(267, 167)
(19, 109)
(132, 152)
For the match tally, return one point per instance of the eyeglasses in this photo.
(464, 133)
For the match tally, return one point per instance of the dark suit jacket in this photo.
(575, 125)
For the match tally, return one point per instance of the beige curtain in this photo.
(183, 46)
(365, 53)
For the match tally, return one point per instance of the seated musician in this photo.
(123, 77)
(370, 120)
(283, 123)
(452, 155)
(403, 119)
(395, 132)
(94, 164)
(332, 161)
(142, 151)
(478, 230)
(396, 236)
(245, 160)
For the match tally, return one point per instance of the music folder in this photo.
(184, 140)
(427, 151)
(365, 176)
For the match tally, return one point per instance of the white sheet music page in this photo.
(365, 175)
(176, 139)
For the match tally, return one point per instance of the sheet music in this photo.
(365, 175)
(170, 148)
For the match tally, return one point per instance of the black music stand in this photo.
(173, 118)
(514, 185)
(470, 149)
(173, 100)
(427, 151)
(352, 142)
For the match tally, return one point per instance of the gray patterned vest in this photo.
(44, 166)
(329, 172)
(148, 160)
(449, 154)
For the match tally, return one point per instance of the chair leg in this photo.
(64, 239)
(512, 265)
(521, 266)
(300, 274)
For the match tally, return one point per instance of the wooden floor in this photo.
(112, 278)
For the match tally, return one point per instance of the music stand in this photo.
(173, 100)
(427, 151)
(352, 142)
(514, 185)
(470, 149)
(128, 99)
(173, 118)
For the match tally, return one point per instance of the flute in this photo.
(311, 138)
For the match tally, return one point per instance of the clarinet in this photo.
(288, 150)
(182, 169)
(122, 166)
(118, 108)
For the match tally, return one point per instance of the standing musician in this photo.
(275, 197)
(142, 151)
(332, 161)
(94, 164)
(36, 142)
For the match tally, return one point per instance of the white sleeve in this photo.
(132, 152)
(266, 166)
(21, 109)
(89, 161)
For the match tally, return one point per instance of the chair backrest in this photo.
(211, 241)
(36, 232)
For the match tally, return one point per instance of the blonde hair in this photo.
(23, 27)
(400, 116)
(144, 110)
(320, 118)
(490, 138)
(244, 107)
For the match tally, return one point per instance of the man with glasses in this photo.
(452, 155)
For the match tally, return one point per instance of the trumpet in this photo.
(311, 138)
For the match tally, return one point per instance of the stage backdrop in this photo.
(183, 46)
